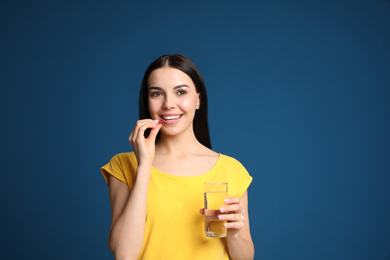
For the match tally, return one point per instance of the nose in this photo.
(168, 102)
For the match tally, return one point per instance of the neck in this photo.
(179, 144)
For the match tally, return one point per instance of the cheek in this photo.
(188, 104)
(153, 107)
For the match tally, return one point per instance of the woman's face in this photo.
(173, 99)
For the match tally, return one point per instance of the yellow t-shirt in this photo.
(174, 226)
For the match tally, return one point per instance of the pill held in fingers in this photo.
(158, 122)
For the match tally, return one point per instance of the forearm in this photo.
(239, 248)
(127, 234)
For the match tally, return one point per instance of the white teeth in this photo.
(171, 117)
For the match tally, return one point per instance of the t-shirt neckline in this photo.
(154, 170)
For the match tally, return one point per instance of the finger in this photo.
(153, 133)
(131, 137)
(231, 208)
(135, 134)
(232, 217)
(234, 225)
(201, 211)
(141, 132)
(232, 200)
(140, 123)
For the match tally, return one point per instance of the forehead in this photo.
(169, 77)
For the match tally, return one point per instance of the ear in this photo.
(198, 102)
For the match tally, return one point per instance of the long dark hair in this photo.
(180, 62)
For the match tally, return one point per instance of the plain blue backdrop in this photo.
(299, 92)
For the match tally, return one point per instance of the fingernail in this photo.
(222, 209)
(156, 121)
(220, 216)
(226, 200)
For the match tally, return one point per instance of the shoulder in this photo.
(226, 159)
(121, 162)
(122, 166)
(235, 174)
(124, 158)
(207, 155)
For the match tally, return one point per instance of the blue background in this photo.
(299, 92)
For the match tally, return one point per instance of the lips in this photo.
(171, 119)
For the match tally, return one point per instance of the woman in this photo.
(156, 192)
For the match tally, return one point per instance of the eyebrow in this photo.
(179, 86)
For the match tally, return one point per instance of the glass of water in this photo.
(214, 195)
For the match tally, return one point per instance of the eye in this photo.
(181, 92)
(155, 93)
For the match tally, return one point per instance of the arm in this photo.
(239, 240)
(128, 208)
(128, 213)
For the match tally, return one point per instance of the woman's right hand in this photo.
(144, 148)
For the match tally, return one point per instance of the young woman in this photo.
(156, 192)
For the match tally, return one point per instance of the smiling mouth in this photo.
(168, 118)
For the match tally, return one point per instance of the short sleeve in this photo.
(233, 172)
(114, 167)
(244, 181)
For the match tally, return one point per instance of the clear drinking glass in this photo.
(214, 195)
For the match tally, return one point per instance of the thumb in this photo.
(153, 133)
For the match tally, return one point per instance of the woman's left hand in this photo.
(234, 215)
